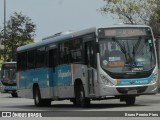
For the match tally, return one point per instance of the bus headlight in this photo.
(154, 80)
(105, 80)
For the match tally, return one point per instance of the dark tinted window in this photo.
(21, 61)
(76, 50)
(64, 53)
(31, 59)
(41, 57)
(53, 58)
(71, 51)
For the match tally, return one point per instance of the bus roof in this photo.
(53, 39)
(8, 65)
(8, 62)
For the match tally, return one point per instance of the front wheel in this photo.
(80, 99)
(14, 94)
(130, 100)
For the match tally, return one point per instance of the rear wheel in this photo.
(38, 101)
(14, 94)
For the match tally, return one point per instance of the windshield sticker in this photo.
(105, 62)
(149, 41)
(114, 58)
(116, 64)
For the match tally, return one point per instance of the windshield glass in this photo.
(128, 54)
(8, 74)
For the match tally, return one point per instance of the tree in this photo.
(19, 31)
(155, 19)
(132, 11)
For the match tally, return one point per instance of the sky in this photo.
(54, 16)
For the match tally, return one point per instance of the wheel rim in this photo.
(36, 97)
(81, 96)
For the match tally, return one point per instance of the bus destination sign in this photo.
(124, 32)
(9, 65)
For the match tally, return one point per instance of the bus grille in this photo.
(126, 89)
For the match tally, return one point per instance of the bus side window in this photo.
(41, 57)
(31, 59)
(64, 52)
(89, 50)
(53, 58)
(22, 61)
(76, 50)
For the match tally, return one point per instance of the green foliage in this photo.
(155, 18)
(19, 31)
(131, 11)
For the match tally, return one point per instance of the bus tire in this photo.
(130, 100)
(46, 102)
(37, 97)
(38, 101)
(14, 94)
(81, 100)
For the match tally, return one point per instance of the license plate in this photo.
(132, 92)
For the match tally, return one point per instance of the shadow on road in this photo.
(71, 107)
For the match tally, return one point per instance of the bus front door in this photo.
(90, 62)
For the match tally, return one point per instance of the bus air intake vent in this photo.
(125, 90)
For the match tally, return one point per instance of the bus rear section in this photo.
(8, 78)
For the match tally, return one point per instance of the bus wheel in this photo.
(38, 101)
(81, 100)
(130, 100)
(14, 94)
(37, 97)
(46, 102)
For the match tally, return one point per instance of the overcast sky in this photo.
(53, 16)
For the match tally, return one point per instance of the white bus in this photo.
(93, 64)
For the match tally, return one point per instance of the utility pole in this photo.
(4, 52)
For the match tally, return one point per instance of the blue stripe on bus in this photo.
(136, 81)
(58, 76)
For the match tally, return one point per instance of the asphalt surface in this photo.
(148, 104)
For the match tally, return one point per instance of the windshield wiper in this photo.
(135, 49)
(123, 49)
(120, 45)
(136, 46)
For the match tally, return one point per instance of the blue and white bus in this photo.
(93, 64)
(8, 78)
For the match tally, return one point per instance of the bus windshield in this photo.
(127, 54)
(8, 74)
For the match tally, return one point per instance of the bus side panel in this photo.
(21, 83)
(62, 82)
(21, 80)
(39, 76)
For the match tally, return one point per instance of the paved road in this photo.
(143, 103)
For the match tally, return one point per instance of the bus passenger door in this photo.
(90, 59)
